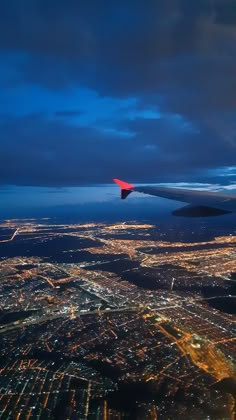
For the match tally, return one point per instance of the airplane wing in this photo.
(200, 203)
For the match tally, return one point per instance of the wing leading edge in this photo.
(201, 203)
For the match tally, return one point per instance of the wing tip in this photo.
(123, 185)
(126, 188)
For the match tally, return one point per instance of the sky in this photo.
(139, 90)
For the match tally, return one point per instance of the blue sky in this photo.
(91, 92)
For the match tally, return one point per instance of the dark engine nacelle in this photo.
(199, 211)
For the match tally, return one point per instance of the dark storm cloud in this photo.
(170, 46)
(178, 56)
(35, 151)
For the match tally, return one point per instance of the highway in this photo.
(53, 315)
(12, 237)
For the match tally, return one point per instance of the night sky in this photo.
(139, 90)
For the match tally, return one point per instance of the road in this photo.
(12, 237)
(53, 315)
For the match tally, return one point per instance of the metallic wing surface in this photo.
(200, 203)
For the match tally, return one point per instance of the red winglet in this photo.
(123, 185)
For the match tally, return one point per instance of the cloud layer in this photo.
(92, 90)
